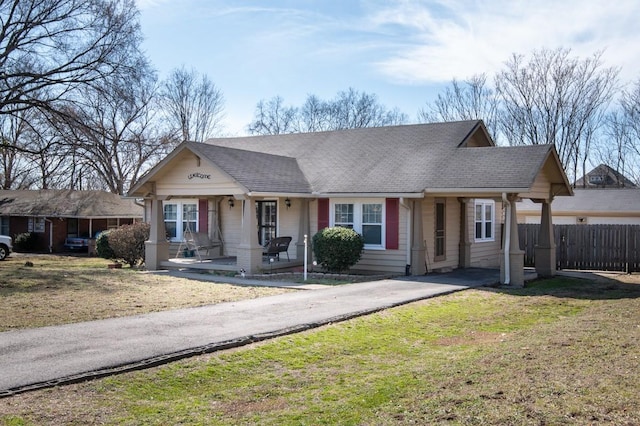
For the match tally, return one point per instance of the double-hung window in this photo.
(36, 224)
(484, 220)
(180, 217)
(366, 218)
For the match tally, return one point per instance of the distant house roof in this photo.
(67, 203)
(590, 201)
(604, 176)
(433, 157)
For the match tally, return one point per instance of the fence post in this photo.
(626, 249)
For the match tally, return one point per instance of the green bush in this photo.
(103, 249)
(337, 248)
(25, 242)
(127, 242)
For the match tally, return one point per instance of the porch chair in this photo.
(275, 246)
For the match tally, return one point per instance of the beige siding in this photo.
(185, 178)
(288, 224)
(486, 254)
(231, 226)
(541, 187)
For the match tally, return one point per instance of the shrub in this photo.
(103, 249)
(337, 248)
(127, 242)
(25, 242)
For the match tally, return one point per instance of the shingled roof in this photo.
(65, 203)
(257, 171)
(409, 159)
(400, 159)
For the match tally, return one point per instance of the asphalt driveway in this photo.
(49, 356)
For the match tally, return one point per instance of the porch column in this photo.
(418, 249)
(249, 251)
(464, 259)
(156, 248)
(546, 248)
(516, 256)
(304, 229)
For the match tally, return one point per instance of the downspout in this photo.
(507, 239)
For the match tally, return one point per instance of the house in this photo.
(425, 197)
(604, 176)
(57, 214)
(589, 207)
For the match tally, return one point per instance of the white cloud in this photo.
(455, 39)
(148, 4)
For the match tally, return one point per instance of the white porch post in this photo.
(303, 229)
(249, 251)
(418, 250)
(546, 247)
(157, 247)
(516, 256)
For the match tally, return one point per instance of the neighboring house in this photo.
(425, 197)
(604, 176)
(588, 207)
(55, 215)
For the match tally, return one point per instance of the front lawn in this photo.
(562, 351)
(65, 289)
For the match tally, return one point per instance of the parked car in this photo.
(76, 244)
(6, 245)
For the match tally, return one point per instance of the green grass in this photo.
(560, 352)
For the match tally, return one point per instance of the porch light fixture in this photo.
(287, 202)
(231, 202)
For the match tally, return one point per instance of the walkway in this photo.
(49, 356)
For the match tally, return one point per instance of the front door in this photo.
(267, 220)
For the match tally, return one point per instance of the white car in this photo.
(5, 246)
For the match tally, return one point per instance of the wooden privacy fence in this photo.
(588, 247)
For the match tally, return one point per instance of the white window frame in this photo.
(357, 218)
(179, 216)
(483, 221)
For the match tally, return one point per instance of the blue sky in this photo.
(404, 51)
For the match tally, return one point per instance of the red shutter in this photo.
(393, 223)
(203, 216)
(323, 213)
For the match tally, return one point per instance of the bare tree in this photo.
(555, 98)
(50, 156)
(16, 171)
(192, 105)
(471, 99)
(314, 115)
(273, 118)
(352, 109)
(50, 48)
(615, 147)
(630, 104)
(111, 130)
(349, 110)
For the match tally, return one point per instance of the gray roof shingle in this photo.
(397, 159)
(67, 203)
(256, 171)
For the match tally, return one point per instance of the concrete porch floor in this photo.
(228, 263)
